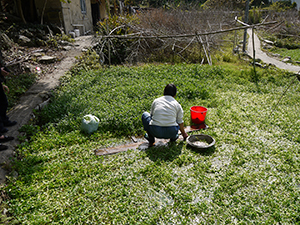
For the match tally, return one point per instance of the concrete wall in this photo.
(67, 14)
(74, 18)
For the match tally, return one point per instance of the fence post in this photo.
(253, 42)
(246, 21)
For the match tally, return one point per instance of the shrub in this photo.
(283, 5)
(147, 45)
(288, 43)
(18, 85)
(255, 16)
(113, 50)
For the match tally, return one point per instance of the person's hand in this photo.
(5, 88)
(185, 135)
(4, 72)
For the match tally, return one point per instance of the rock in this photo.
(266, 46)
(269, 42)
(64, 43)
(236, 49)
(23, 40)
(28, 68)
(259, 65)
(271, 65)
(286, 59)
(72, 34)
(5, 41)
(67, 48)
(47, 59)
(276, 55)
(27, 33)
(39, 107)
(39, 50)
(258, 60)
(37, 54)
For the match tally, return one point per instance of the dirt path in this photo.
(36, 95)
(259, 54)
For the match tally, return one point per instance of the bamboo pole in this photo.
(246, 21)
(207, 57)
(253, 44)
(140, 35)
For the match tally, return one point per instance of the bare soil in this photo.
(36, 95)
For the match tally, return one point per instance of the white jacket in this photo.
(166, 112)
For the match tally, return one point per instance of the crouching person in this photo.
(165, 118)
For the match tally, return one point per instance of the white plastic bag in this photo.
(89, 123)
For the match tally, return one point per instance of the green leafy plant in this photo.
(250, 176)
(18, 85)
(116, 49)
(53, 41)
(255, 16)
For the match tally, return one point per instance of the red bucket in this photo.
(198, 114)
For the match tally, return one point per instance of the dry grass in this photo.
(158, 22)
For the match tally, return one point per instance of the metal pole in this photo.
(246, 21)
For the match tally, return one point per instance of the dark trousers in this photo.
(158, 131)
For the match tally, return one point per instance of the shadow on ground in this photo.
(166, 152)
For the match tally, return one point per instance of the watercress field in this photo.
(250, 176)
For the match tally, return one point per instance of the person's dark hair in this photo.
(170, 89)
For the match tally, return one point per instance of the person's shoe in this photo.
(173, 140)
(3, 147)
(6, 138)
(9, 123)
(3, 130)
(151, 143)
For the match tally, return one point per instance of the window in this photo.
(83, 6)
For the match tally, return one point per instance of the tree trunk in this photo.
(20, 10)
(43, 12)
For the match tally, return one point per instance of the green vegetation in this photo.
(293, 53)
(18, 85)
(286, 47)
(117, 49)
(250, 176)
(54, 40)
(284, 5)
